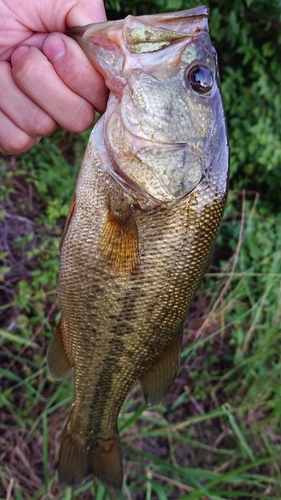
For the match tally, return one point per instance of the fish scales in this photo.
(146, 211)
(133, 314)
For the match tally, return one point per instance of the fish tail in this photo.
(80, 457)
(106, 461)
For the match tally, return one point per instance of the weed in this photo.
(217, 433)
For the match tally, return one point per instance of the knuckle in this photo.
(5, 68)
(71, 78)
(29, 71)
(81, 118)
(40, 124)
(24, 71)
(46, 128)
(18, 144)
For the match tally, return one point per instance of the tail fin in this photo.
(80, 457)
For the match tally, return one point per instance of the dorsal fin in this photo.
(68, 219)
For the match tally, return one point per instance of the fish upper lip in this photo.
(201, 11)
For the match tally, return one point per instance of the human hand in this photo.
(46, 79)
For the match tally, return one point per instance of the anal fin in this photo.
(157, 381)
(59, 362)
(119, 241)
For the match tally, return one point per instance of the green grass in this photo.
(217, 435)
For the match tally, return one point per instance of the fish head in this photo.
(164, 127)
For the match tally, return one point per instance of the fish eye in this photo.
(200, 78)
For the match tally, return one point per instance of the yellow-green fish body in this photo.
(147, 208)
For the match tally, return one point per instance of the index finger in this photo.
(75, 70)
(90, 11)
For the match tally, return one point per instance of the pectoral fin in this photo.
(119, 242)
(59, 362)
(156, 383)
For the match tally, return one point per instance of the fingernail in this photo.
(18, 52)
(53, 48)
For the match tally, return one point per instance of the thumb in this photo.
(85, 12)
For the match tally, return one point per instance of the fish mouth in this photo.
(114, 47)
(189, 19)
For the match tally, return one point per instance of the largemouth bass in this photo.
(144, 218)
